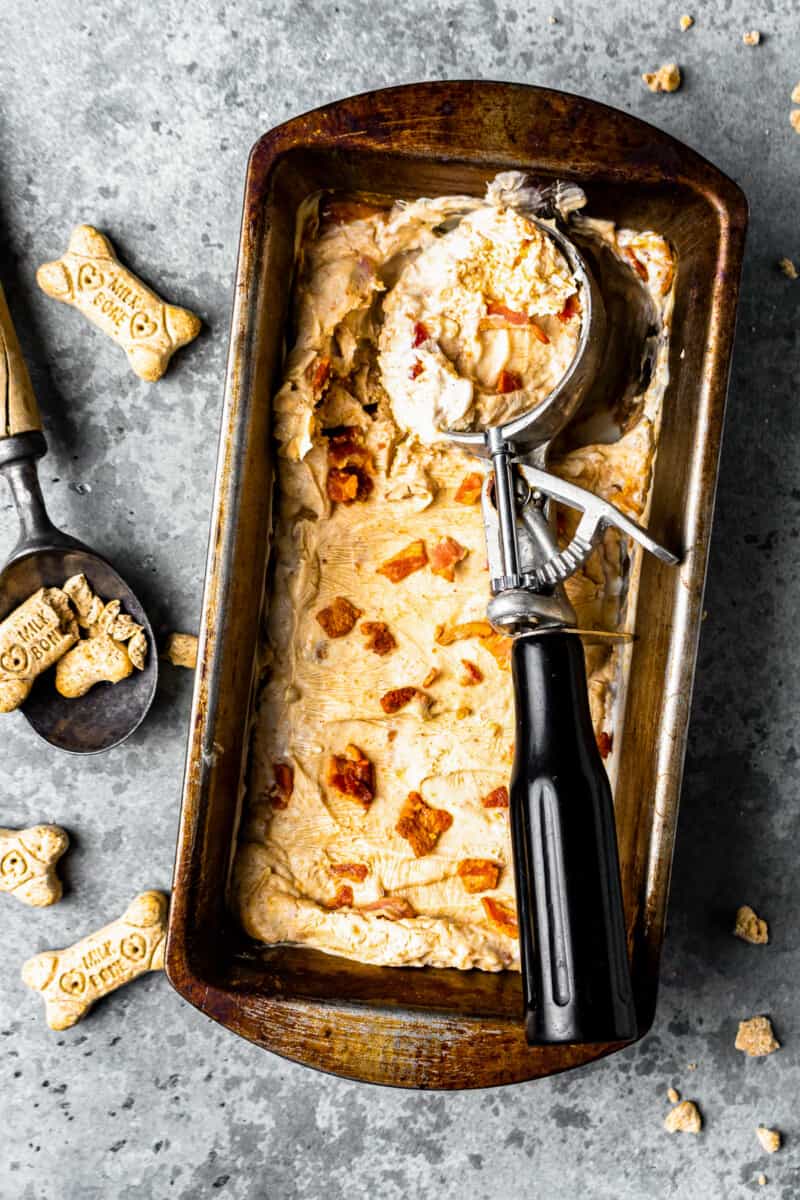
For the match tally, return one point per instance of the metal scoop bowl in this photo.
(46, 557)
(573, 947)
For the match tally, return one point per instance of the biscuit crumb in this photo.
(794, 117)
(762, 1179)
(756, 1037)
(673, 1096)
(686, 22)
(552, 20)
(691, 1066)
(770, 1139)
(788, 268)
(796, 94)
(749, 927)
(684, 1118)
(666, 79)
(752, 37)
(181, 650)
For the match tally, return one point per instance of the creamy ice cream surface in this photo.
(376, 819)
(479, 326)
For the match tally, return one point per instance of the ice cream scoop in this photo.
(575, 971)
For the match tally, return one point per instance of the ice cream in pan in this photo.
(378, 819)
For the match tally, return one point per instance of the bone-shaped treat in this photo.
(91, 277)
(72, 980)
(28, 860)
(32, 638)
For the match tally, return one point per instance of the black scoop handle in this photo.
(575, 973)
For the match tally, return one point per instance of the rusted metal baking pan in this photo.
(424, 1027)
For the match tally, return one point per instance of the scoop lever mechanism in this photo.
(522, 550)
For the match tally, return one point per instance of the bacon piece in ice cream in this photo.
(444, 555)
(421, 824)
(339, 617)
(353, 775)
(413, 558)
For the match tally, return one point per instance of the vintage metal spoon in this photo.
(46, 557)
(575, 975)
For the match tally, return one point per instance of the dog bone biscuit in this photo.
(91, 277)
(28, 860)
(32, 638)
(71, 980)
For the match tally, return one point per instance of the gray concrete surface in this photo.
(139, 118)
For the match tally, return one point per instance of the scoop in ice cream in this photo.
(479, 327)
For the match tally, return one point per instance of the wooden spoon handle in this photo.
(19, 412)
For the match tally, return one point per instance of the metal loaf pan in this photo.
(440, 1028)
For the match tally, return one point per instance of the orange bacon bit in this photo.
(444, 556)
(344, 486)
(459, 633)
(380, 639)
(339, 617)
(349, 465)
(570, 309)
(499, 646)
(478, 874)
(472, 673)
(394, 908)
(398, 698)
(358, 872)
(421, 334)
(347, 448)
(431, 677)
(421, 825)
(494, 309)
(470, 488)
(413, 558)
(353, 775)
(496, 799)
(605, 742)
(636, 263)
(416, 370)
(319, 373)
(281, 790)
(502, 916)
(343, 897)
(507, 381)
(507, 316)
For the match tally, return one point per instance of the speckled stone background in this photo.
(138, 118)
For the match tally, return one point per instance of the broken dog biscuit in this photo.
(94, 660)
(103, 656)
(72, 980)
(91, 278)
(181, 650)
(28, 860)
(33, 637)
